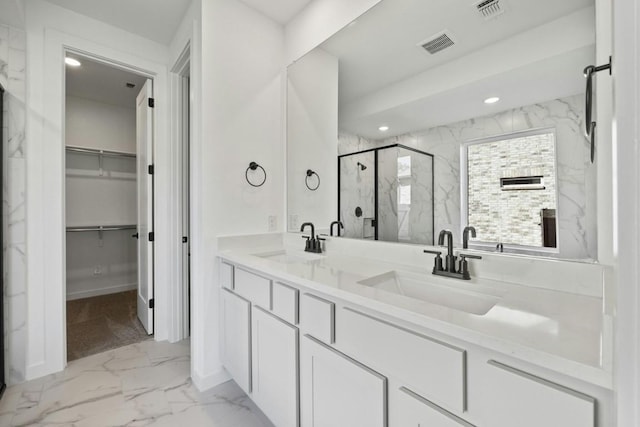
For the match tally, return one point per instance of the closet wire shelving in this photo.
(101, 153)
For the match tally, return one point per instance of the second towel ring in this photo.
(310, 173)
(253, 166)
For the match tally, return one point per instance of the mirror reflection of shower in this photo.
(393, 198)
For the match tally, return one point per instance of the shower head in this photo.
(362, 167)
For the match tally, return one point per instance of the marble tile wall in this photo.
(12, 78)
(357, 190)
(576, 203)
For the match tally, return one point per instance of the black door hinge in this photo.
(185, 239)
(151, 169)
(151, 236)
(152, 103)
(151, 303)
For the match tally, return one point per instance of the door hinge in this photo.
(151, 236)
(152, 103)
(151, 303)
(151, 169)
(185, 239)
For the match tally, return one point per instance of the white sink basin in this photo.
(288, 257)
(457, 294)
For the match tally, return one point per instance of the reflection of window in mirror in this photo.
(512, 189)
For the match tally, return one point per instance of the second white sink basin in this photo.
(289, 257)
(459, 295)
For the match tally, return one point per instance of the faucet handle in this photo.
(306, 237)
(427, 251)
(469, 256)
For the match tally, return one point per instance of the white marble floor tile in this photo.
(143, 384)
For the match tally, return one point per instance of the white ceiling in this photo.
(156, 20)
(102, 83)
(382, 69)
(381, 47)
(281, 11)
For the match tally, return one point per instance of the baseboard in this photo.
(101, 291)
(210, 381)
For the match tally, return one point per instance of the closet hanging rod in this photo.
(102, 228)
(110, 153)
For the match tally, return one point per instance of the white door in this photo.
(274, 370)
(236, 338)
(144, 142)
(337, 391)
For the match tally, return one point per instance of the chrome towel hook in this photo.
(589, 124)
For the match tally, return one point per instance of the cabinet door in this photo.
(408, 409)
(275, 368)
(337, 391)
(236, 338)
(518, 398)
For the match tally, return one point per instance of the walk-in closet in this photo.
(102, 207)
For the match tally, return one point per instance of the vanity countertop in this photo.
(565, 332)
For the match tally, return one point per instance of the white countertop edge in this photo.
(587, 373)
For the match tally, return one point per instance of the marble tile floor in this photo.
(143, 384)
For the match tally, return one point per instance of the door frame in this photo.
(45, 218)
(182, 120)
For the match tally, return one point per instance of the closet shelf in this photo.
(110, 153)
(102, 228)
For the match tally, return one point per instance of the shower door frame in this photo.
(375, 179)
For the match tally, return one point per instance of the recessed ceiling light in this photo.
(491, 100)
(383, 128)
(72, 61)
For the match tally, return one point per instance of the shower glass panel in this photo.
(387, 194)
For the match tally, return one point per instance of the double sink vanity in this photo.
(364, 335)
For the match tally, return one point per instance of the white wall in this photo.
(242, 121)
(51, 29)
(94, 124)
(312, 139)
(318, 21)
(12, 79)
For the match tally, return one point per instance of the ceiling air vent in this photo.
(435, 44)
(489, 9)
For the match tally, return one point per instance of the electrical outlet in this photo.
(293, 222)
(273, 223)
(97, 270)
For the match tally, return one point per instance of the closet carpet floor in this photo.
(102, 323)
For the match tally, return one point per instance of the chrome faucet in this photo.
(465, 236)
(340, 226)
(313, 243)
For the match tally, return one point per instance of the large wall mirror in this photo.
(424, 115)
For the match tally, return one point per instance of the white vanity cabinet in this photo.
(337, 391)
(311, 360)
(522, 399)
(236, 338)
(408, 409)
(275, 368)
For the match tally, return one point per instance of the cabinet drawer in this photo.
(317, 318)
(284, 302)
(226, 275)
(519, 398)
(256, 289)
(408, 409)
(433, 369)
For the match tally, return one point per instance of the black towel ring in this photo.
(253, 166)
(310, 173)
